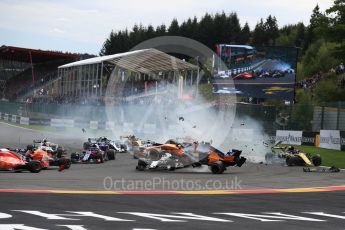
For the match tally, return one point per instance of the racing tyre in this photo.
(316, 160)
(171, 168)
(75, 157)
(34, 166)
(290, 161)
(111, 154)
(141, 165)
(67, 163)
(218, 168)
(100, 157)
(59, 152)
(294, 161)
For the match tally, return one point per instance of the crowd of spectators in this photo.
(42, 75)
(309, 83)
(130, 93)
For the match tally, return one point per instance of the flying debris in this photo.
(332, 169)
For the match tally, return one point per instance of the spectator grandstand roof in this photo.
(23, 54)
(145, 61)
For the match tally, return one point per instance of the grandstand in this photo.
(137, 71)
(23, 71)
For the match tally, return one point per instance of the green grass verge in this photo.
(329, 157)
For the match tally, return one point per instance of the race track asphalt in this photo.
(121, 174)
(135, 211)
(26, 199)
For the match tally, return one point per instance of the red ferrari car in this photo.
(243, 76)
(12, 161)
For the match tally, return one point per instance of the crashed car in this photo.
(172, 155)
(292, 156)
(12, 161)
(48, 158)
(136, 146)
(92, 154)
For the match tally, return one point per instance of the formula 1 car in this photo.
(118, 146)
(39, 144)
(293, 156)
(172, 155)
(111, 148)
(12, 161)
(92, 154)
(136, 146)
(48, 158)
(243, 76)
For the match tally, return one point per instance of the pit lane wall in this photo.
(328, 139)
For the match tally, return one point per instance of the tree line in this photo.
(209, 30)
(321, 43)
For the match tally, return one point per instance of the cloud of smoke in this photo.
(248, 135)
(163, 116)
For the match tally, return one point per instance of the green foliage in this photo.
(328, 91)
(302, 111)
(318, 58)
(266, 33)
(292, 35)
(336, 31)
(259, 33)
(210, 30)
(321, 43)
(300, 72)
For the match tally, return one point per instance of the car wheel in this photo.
(294, 161)
(111, 154)
(34, 166)
(75, 157)
(100, 157)
(67, 163)
(290, 161)
(59, 152)
(217, 168)
(316, 160)
(141, 165)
